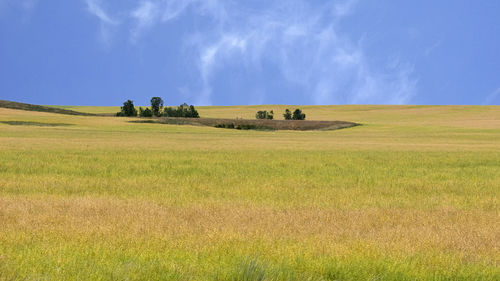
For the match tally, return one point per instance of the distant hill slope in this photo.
(41, 108)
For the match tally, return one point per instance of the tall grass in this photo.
(408, 196)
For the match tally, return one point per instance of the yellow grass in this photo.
(413, 194)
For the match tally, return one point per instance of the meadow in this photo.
(412, 194)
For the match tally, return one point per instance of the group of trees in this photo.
(157, 109)
(183, 110)
(188, 111)
(264, 114)
(296, 115)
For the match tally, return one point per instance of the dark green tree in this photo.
(298, 115)
(194, 112)
(145, 112)
(288, 114)
(128, 109)
(156, 106)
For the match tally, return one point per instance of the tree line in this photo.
(188, 111)
(157, 109)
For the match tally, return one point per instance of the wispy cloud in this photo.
(304, 42)
(172, 9)
(26, 7)
(94, 7)
(29, 4)
(493, 98)
(428, 51)
(145, 15)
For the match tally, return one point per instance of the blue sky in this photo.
(222, 52)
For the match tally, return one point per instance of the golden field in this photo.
(412, 194)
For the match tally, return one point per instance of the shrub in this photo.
(183, 110)
(156, 106)
(243, 127)
(128, 109)
(263, 114)
(298, 115)
(226, 126)
(288, 114)
(145, 112)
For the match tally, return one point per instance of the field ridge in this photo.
(41, 108)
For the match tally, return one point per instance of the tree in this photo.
(194, 112)
(145, 112)
(156, 106)
(128, 109)
(288, 114)
(298, 115)
(264, 114)
(183, 110)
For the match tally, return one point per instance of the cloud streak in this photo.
(304, 42)
(25, 6)
(94, 7)
(492, 98)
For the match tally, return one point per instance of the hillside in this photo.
(456, 116)
(41, 108)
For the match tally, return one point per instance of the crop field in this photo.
(411, 194)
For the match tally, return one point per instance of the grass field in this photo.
(413, 194)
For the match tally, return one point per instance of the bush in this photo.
(264, 115)
(226, 126)
(298, 115)
(156, 106)
(128, 109)
(183, 110)
(145, 112)
(288, 114)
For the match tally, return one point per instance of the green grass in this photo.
(413, 194)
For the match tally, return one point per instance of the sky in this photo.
(229, 52)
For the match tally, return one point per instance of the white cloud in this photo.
(145, 15)
(94, 7)
(172, 9)
(344, 8)
(107, 23)
(211, 56)
(303, 42)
